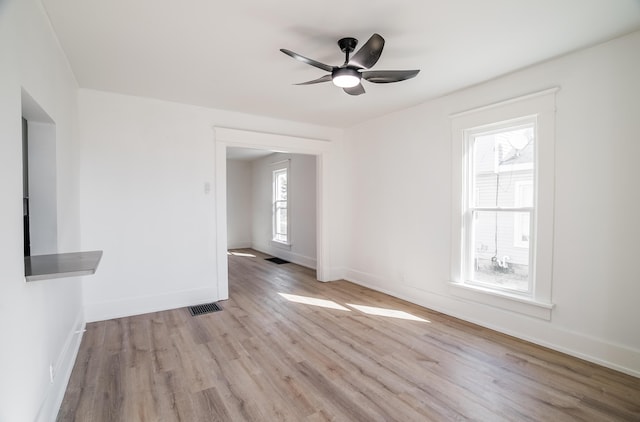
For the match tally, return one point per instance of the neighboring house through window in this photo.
(522, 220)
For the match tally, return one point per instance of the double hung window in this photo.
(280, 221)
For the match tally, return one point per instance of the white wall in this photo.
(399, 204)
(38, 320)
(239, 206)
(301, 186)
(144, 167)
(43, 218)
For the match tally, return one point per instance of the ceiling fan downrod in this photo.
(347, 46)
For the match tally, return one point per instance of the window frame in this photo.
(276, 168)
(539, 106)
(470, 192)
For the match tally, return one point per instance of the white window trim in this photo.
(541, 105)
(277, 166)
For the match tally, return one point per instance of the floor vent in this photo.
(206, 308)
(277, 260)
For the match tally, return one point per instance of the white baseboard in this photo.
(543, 333)
(101, 311)
(296, 258)
(62, 372)
(239, 245)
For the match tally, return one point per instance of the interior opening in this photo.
(40, 216)
(254, 214)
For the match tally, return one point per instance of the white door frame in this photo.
(227, 137)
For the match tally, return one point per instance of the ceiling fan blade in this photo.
(325, 78)
(306, 60)
(356, 90)
(388, 76)
(369, 54)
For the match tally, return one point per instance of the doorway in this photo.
(232, 138)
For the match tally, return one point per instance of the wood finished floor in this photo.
(267, 358)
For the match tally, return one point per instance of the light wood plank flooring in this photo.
(266, 357)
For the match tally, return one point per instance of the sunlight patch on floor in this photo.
(392, 313)
(313, 301)
(240, 254)
(369, 310)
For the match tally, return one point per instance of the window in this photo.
(503, 173)
(280, 222)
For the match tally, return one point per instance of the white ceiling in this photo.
(225, 54)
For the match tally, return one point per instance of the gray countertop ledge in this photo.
(61, 265)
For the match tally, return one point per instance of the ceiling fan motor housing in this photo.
(347, 45)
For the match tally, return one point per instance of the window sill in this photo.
(514, 303)
(75, 264)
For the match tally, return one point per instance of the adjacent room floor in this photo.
(286, 347)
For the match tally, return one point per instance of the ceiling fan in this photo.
(349, 76)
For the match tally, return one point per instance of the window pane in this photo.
(501, 160)
(281, 221)
(281, 186)
(495, 260)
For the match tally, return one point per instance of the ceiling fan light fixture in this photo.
(345, 77)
